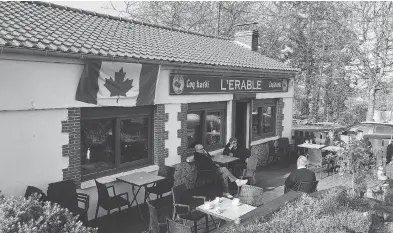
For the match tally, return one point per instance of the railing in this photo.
(268, 209)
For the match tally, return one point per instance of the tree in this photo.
(372, 50)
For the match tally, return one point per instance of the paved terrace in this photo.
(274, 176)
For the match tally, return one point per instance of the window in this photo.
(206, 124)
(366, 128)
(263, 119)
(384, 129)
(114, 140)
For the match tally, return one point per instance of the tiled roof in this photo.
(48, 27)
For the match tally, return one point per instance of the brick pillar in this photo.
(280, 117)
(182, 132)
(160, 135)
(72, 149)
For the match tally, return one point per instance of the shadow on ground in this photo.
(129, 221)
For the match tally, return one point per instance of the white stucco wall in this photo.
(43, 82)
(172, 126)
(31, 149)
(288, 116)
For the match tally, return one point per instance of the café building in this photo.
(85, 96)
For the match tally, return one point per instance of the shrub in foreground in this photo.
(20, 215)
(333, 212)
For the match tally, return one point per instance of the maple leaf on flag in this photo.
(120, 86)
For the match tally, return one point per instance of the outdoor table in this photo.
(332, 148)
(139, 179)
(310, 146)
(229, 212)
(224, 159)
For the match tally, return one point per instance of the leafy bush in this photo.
(18, 215)
(333, 212)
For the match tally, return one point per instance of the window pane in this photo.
(97, 145)
(213, 128)
(380, 129)
(267, 120)
(134, 139)
(255, 121)
(194, 131)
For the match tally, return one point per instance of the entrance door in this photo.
(241, 123)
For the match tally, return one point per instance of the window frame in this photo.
(118, 114)
(259, 104)
(203, 109)
(384, 126)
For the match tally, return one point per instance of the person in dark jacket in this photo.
(204, 161)
(301, 174)
(234, 149)
(389, 152)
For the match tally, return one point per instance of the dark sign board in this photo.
(194, 84)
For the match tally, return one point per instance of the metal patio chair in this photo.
(184, 205)
(162, 186)
(108, 202)
(154, 225)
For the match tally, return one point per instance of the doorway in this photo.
(241, 122)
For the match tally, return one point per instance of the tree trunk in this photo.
(370, 104)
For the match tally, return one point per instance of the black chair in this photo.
(34, 190)
(272, 153)
(108, 202)
(184, 205)
(64, 193)
(283, 148)
(203, 175)
(162, 186)
(154, 225)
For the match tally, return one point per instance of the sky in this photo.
(97, 6)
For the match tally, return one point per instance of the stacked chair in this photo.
(64, 193)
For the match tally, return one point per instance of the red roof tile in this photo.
(43, 26)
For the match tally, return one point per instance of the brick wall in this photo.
(182, 132)
(160, 135)
(280, 117)
(249, 38)
(72, 149)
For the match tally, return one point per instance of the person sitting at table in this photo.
(204, 161)
(332, 139)
(365, 142)
(301, 174)
(234, 149)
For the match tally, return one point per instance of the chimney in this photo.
(249, 37)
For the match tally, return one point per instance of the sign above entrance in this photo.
(195, 84)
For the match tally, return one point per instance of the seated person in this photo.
(204, 161)
(301, 174)
(234, 149)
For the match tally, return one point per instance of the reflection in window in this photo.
(255, 121)
(194, 131)
(213, 128)
(115, 143)
(133, 139)
(267, 120)
(97, 145)
(263, 121)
